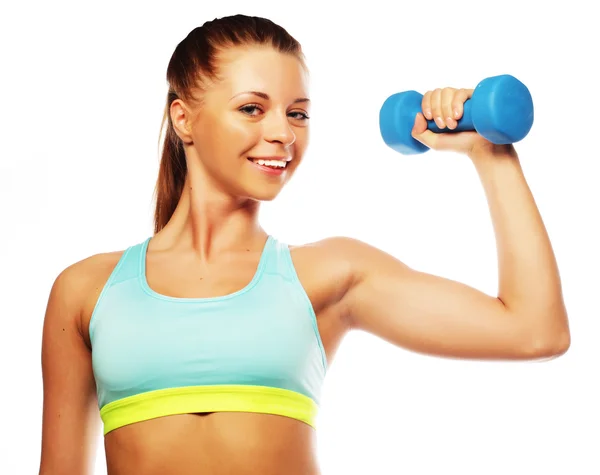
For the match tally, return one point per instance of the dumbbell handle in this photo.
(465, 123)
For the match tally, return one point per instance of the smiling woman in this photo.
(272, 165)
(204, 348)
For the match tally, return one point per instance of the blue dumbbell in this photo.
(500, 109)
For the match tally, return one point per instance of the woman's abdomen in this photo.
(213, 444)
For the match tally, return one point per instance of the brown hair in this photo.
(193, 61)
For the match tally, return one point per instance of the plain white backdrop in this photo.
(83, 90)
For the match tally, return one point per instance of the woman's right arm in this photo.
(70, 421)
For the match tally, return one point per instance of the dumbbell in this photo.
(500, 110)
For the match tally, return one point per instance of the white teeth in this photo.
(270, 163)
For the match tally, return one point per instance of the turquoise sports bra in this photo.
(255, 350)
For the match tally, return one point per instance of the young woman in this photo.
(205, 346)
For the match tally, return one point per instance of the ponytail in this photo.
(172, 172)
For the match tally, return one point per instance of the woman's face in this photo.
(234, 127)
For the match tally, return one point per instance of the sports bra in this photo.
(255, 350)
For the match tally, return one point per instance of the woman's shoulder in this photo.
(89, 268)
(332, 257)
(344, 257)
(83, 280)
(328, 268)
(333, 249)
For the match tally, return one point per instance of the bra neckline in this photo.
(148, 290)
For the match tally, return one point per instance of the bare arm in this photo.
(70, 421)
(431, 314)
(439, 316)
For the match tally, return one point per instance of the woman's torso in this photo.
(223, 442)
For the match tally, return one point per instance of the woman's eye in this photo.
(248, 109)
(252, 107)
(303, 116)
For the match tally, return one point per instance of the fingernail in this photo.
(456, 113)
(439, 122)
(427, 113)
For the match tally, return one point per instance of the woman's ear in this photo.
(181, 118)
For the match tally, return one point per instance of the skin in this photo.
(215, 229)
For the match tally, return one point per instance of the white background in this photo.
(83, 91)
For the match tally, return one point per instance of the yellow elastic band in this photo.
(222, 398)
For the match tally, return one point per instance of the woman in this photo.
(206, 345)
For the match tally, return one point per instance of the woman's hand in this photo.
(445, 107)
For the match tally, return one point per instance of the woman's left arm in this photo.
(435, 315)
